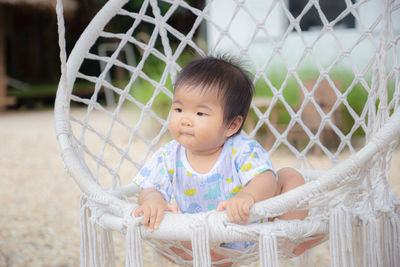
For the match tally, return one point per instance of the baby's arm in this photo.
(152, 206)
(261, 187)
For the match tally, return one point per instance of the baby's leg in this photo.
(289, 179)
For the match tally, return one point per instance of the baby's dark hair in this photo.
(225, 75)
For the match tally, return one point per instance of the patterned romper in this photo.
(169, 171)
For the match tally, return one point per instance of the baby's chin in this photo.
(192, 146)
(187, 140)
(185, 143)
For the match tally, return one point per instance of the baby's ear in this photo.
(234, 126)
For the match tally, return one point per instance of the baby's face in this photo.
(196, 119)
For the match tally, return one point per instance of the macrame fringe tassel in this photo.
(391, 239)
(83, 222)
(134, 254)
(89, 252)
(358, 249)
(106, 248)
(201, 246)
(372, 255)
(84, 248)
(268, 251)
(93, 249)
(340, 238)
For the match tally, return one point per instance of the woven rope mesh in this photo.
(315, 81)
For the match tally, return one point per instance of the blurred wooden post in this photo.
(3, 77)
(4, 99)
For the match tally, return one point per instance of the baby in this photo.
(210, 164)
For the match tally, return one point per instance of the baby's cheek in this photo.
(172, 127)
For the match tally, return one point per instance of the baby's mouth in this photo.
(186, 132)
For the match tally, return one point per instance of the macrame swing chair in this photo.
(351, 203)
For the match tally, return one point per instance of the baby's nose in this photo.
(186, 122)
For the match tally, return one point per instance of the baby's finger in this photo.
(160, 215)
(221, 206)
(146, 216)
(246, 209)
(243, 217)
(246, 213)
(228, 212)
(233, 214)
(152, 218)
(138, 212)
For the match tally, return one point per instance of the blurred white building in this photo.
(243, 22)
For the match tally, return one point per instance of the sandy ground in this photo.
(39, 201)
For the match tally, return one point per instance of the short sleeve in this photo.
(251, 160)
(155, 174)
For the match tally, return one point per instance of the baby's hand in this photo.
(238, 207)
(152, 210)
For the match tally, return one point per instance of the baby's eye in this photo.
(200, 114)
(178, 109)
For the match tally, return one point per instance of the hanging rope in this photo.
(63, 53)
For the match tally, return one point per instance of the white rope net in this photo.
(325, 88)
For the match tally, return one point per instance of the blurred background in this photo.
(30, 66)
(39, 202)
(29, 52)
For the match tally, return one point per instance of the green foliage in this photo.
(357, 96)
(275, 79)
(154, 68)
(355, 91)
(143, 90)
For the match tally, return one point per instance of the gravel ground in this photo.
(39, 201)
